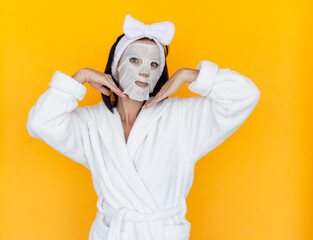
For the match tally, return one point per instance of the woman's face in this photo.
(138, 69)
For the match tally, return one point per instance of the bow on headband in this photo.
(161, 31)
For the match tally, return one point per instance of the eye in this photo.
(155, 64)
(133, 58)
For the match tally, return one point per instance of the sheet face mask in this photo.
(139, 58)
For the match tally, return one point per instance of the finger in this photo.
(166, 90)
(163, 93)
(160, 95)
(111, 84)
(113, 87)
(104, 91)
(153, 101)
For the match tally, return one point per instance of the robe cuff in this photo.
(67, 84)
(206, 77)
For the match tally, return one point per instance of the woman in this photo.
(142, 158)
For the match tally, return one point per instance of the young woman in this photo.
(141, 146)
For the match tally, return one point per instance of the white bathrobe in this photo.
(142, 184)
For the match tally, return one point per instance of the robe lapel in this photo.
(129, 184)
(144, 121)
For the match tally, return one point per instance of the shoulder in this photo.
(91, 112)
(177, 103)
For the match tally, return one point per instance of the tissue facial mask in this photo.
(140, 62)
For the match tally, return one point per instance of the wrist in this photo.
(80, 76)
(190, 75)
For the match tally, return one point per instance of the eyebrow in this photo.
(135, 55)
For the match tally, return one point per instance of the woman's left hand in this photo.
(180, 77)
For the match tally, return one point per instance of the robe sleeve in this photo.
(56, 119)
(204, 122)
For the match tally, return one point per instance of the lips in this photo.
(141, 84)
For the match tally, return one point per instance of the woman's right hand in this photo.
(98, 80)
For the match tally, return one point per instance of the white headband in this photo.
(161, 33)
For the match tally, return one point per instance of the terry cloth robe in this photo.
(142, 184)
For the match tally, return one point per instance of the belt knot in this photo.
(123, 213)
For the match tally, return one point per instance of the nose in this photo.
(146, 75)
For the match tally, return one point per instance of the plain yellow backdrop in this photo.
(257, 185)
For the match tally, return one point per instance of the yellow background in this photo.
(257, 185)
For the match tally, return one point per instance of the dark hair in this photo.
(111, 101)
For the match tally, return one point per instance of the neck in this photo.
(128, 109)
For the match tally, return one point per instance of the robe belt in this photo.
(123, 213)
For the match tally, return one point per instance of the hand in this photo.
(98, 80)
(179, 78)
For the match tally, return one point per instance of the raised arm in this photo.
(56, 119)
(204, 122)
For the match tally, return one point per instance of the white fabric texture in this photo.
(142, 184)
